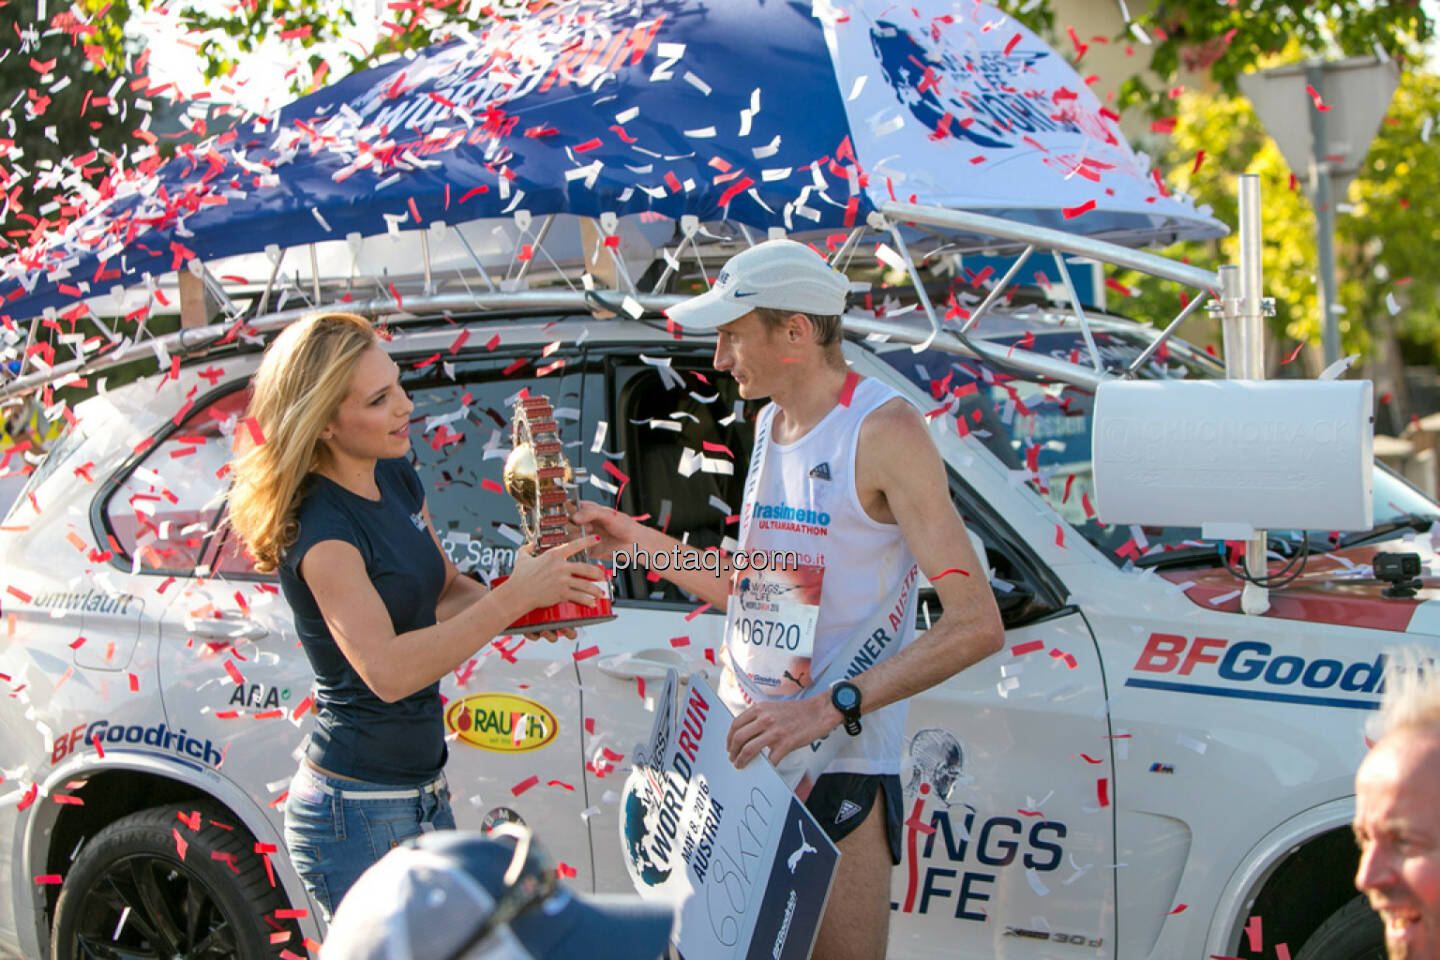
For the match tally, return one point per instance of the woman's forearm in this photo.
(460, 593)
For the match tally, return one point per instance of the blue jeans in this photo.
(336, 828)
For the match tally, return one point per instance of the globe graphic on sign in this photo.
(637, 810)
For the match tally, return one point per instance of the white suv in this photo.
(1139, 773)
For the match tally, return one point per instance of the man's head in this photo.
(776, 308)
(1397, 811)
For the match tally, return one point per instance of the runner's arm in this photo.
(897, 452)
(620, 532)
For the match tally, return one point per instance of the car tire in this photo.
(130, 877)
(1354, 932)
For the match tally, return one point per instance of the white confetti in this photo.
(601, 429)
(1035, 883)
(1336, 369)
(1190, 743)
(697, 83)
(1392, 304)
(856, 87)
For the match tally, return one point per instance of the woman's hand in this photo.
(541, 580)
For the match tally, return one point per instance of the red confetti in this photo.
(1254, 930)
(564, 870)
(257, 436)
(1020, 649)
(524, 785)
(1011, 43)
(180, 845)
(234, 672)
(134, 683)
(1179, 908)
(946, 573)
(586, 654)
(696, 612)
(1086, 757)
(847, 390)
(1199, 159)
(1293, 353)
(1060, 535)
(1315, 98)
(488, 484)
(1102, 791)
(18, 594)
(49, 878)
(1073, 212)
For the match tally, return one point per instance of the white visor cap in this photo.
(777, 274)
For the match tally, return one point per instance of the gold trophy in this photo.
(536, 477)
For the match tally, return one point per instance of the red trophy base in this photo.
(560, 615)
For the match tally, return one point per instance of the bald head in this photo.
(1397, 824)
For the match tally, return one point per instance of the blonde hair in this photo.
(297, 390)
(1411, 699)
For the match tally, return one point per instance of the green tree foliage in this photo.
(1222, 40)
(1387, 228)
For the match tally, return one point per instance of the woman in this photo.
(328, 500)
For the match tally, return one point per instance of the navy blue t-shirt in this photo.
(356, 733)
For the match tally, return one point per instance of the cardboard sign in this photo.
(743, 861)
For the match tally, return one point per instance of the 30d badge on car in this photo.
(501, 722)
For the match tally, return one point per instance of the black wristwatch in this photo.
(846, 698)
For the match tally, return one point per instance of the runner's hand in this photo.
(552, 635)
(614, 529)
(780, 725)
(549, 578)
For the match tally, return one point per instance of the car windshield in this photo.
(1043, 429)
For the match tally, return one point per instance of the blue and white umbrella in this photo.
(764, 113)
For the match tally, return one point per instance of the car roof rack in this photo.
(594, 264)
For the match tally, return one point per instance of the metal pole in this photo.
(1320, 197)
(1250, 364)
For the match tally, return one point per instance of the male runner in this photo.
(845, 474)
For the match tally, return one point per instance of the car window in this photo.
(460, 437)
(686, 437)
(164, 508)
(1044, 429)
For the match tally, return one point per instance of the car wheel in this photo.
(1354, 932)
(129, 894)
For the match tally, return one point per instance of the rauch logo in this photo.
(501, 722)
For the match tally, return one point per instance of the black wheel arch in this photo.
(108, 795)
(1313, 881)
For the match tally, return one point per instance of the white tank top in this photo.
(801, 497)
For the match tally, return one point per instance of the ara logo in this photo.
(821, 472)
(939, 83)
(848, 809)
(419, 520)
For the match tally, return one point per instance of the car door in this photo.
(512, 711)
(675, 448)
(1008, 836)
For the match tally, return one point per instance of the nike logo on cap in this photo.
(750, 293)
